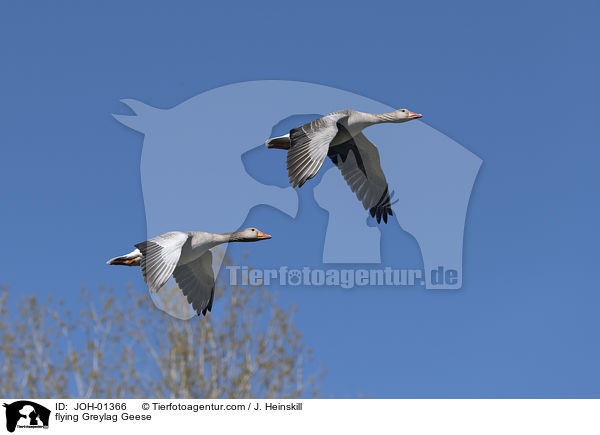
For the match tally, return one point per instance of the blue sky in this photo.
(515, 83)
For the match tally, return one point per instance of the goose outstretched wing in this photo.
(160, 256)
(309, 144)
(358, 160)
(197, 282)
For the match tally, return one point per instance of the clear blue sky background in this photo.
(514, 82)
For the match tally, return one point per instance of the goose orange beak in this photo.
(412, 115)
(263, 236)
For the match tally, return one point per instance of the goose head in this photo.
(403, 115)
(251, 235)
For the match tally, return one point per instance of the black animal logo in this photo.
(30, 412)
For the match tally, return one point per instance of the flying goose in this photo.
(187, 257)
(339, 136)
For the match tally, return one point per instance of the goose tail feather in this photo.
(132, 259)
(281, 142)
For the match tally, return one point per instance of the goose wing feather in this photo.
(358, 160)
(309, 145)
(160, 256)
(197, 282)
